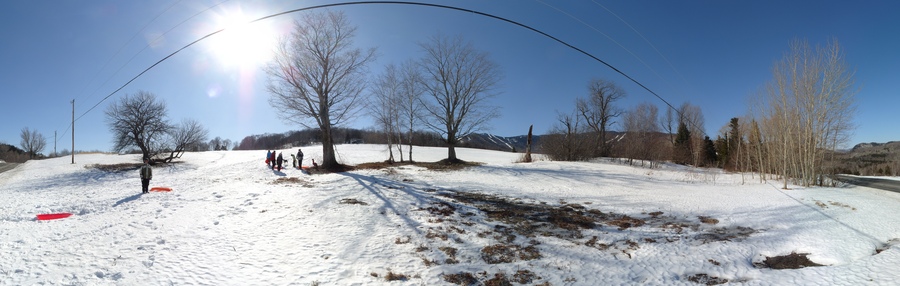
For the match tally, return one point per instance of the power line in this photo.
(648, 42)
(395, 3)
(142, 50)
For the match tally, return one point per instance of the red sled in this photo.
(53, 216)
(160, 189)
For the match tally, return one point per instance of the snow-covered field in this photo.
(231, 221)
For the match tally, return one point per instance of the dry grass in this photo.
(462, 278)
(790, 261)
(442, 165)
(708, 220)
(115, 167)
(391, 276)
(706, 279)
(352, 202)
(292, 181)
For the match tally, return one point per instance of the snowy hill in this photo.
(231, 221)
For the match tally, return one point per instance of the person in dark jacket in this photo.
(272, 159)
(299, 158)
(279, 160)
(146, 176)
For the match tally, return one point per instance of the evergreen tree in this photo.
(709, 152)
(682, 151)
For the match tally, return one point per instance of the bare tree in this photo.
(411, 90)
(227, 144)
(138, 120)
(641, 133)
(187, 136)
(692, 117)
(385, 105)
(32, 142)
(215, 143)
(317, 76)
(808, 108)
(566, 142)
(459, 80)
(598, 111)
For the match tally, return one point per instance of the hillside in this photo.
(871, 159)
(231, 221)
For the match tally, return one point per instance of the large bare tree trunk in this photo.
(316, 76)
(459, 80)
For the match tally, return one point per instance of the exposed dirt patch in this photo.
(706, 279)
(292, 181)
(442, 165)
(887, 245)
(790, 261)
(121, 167)
(352, 202)
(506, 253)
(708, 220)
(462, 278)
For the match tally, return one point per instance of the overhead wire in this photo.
(394, 3)
(648, 43)
(605, 35)
(81, 93)
(142, 50)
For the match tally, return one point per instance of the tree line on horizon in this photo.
(791, 132)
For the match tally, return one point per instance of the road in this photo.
(887, 185)
(7, 166)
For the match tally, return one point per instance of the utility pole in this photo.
(73, 131)
(54, 143)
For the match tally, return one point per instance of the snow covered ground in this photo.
(231, 221)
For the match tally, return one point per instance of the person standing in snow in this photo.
(146, 175)
(294, 161)
(279, 160)
(268, 155)
(272, 159)
(299, 159)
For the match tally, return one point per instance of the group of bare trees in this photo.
(803, 115)
(317, 78)
(646, 136)
(139, 121)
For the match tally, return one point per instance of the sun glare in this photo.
(242, 44)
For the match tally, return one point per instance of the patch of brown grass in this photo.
(352, 202)
(462, 278)
(508, 253)
(120, 167)
(391, 276)
(524, 277)
(443, 165)
(706, 279)
(292, 181)
(708, 220)
(790, 261)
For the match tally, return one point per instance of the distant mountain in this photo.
(871, 159)
(494, 142)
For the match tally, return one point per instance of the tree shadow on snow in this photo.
(375, 186)
(128, 199)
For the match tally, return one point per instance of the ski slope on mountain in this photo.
(229, 220)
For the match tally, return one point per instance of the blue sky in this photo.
(714, 54)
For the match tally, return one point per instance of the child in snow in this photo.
(272, 159)
(268, 155)
(316, 166)
(294, 161)
(279, 160)
(146, 176)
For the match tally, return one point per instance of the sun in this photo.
(242, 44)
